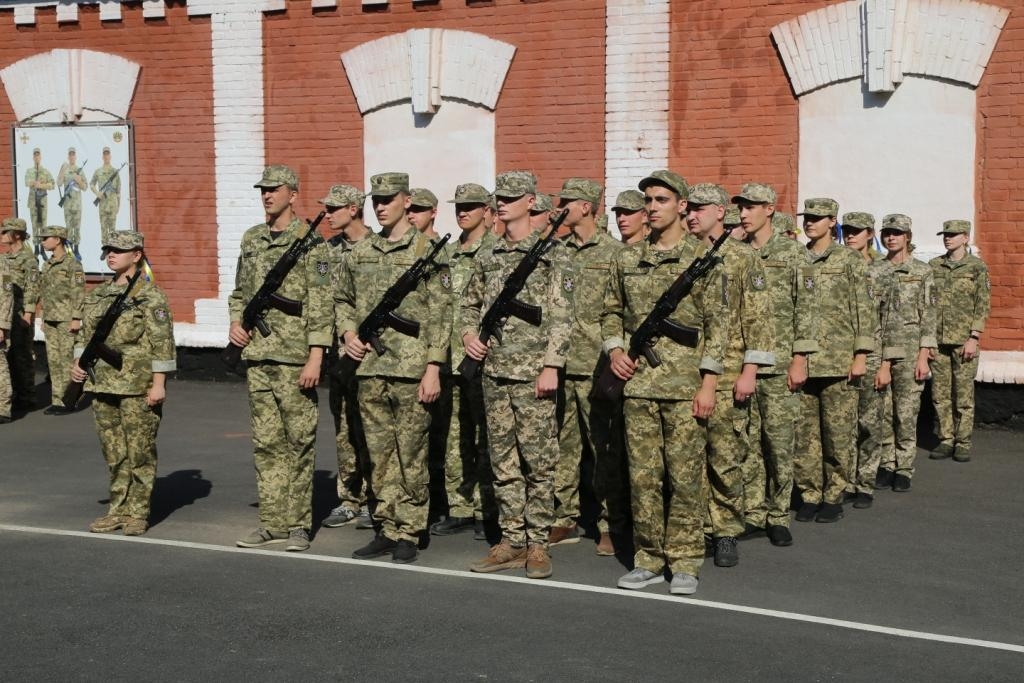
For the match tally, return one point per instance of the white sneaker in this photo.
(639, 578)
(683, 584)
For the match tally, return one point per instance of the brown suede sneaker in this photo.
(107, 523)
(538, 563)
(605, 547)
(501, 556)
(135, 527)
(564, 535)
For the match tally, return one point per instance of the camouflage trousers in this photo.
(37, 219)
(728, 446)
(73, 222)
(597, 425)
(953, 395)
(108, 223)
(826, 441)
(871, 427)
(5, 381)
(60, 352)
(906, 404)
(468, 479)
(350, 443)
(283, 418)
(768, 467)
(22, 362)
(127, 428)
(665, 442)
(522, 432)
(396, 426)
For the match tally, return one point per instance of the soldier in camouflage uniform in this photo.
(109, 195)
(768, 469)
(581, 420)
(829, 363)
(283, 367)
(666, 407)
(344, 206)
(630, 217)
(71, 172)
(6, 318)
(785, 225)
(23, 269)
(962, 293)
(128, 403)
(872, 425)
(908, 340)
(39, 181)
(520, 380)
(468, 480)
(396, 389)
(746, 302)
(422, 211)
(61, 291)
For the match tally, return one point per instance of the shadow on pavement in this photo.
(176, 490)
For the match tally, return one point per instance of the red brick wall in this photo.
(549, 117)
(172, 112)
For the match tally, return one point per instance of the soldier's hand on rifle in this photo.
(622, 365)
(77, 373)
(430, 384)
(475, 348)
(547, 382)
(238, 336)
(354, 347)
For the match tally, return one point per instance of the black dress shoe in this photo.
(883, 479)
(779, 535)
(863, 501)
(900, 483)
(829, 512)
(405, 552)
(806, 512)
(380, 545)
(451, 525)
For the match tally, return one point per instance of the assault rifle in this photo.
(506, 304)
(106, 186)
(657, 323)
(69, 185)
(266, 297)
(383, 314)
(97, 348)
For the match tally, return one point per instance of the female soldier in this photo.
(61, 290)
(128, 404)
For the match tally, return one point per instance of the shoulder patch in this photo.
(323, 269)
(445, 276)
(809, 282)
(568, 283)
(757, 281)
(160, 314)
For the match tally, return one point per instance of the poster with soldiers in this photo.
(80, 177)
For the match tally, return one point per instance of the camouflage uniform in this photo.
(72, 200)
(664, 441)
(842, 322)
(522, 430)
(6, 318)
(23, 269)
(110, 203)
(962, 292)
(37, 210)
(283, 415)
(395, 423)
(61, 291)
(127, 427)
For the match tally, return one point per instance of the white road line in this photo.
(777, 614)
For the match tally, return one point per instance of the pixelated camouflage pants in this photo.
(522, 432)
(826, 448)
(871, 425)
(468, 479)
(906, 404)
(37, 218)
(60, 351)
(5, 382)
(953, 395)
(665, 442)
(396, 426)
(108, 223)
(768, 469)
(283, 419)
(22, 362)
(350, 443)
(127, 429)
(73, 222)
(727, 449)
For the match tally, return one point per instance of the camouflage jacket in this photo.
(6, 299)
(73, 198)
(23, 269)
(524, 350)
(111, 200)
(833, 288)
(373, 265)
(910, 311)
(640, 274)
(963, 293)
(460, 264)
(747, 303)
(143, 334)
(309, 282)
(879, 273)
(781, 259)
(41, 175)
(338, 247)
(585, 286)
(62, 289)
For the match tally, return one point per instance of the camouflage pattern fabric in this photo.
(60, 354)
(585, 285)
(826, 453)
(72, 203)
(23, 269)
(728, 445)
(6, 319)
(127, 429)
(872, 425)
(768, 470)
(37, 212)
(906, 404)
(953, 395)
(468, 479)
(110, 202)
(61, 289)
(354, 468)
(460, 267)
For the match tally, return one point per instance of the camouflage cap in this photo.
(581, 188)
(106, 150)
(820, 206)
(896, 221)
(756, 193)
(54, 231)
(956, 227)
(421, 196)
(630, 200)
(387, 184)
(515, 184)
(71, 150)
(858, 219)
(343, 195)
(708, 193)
(669, 179)
(542, 203)
(36, 150)
(471, 193)
(14, 225)
(277, 175)
(123, 240)
(732, 215)
(784, 222)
